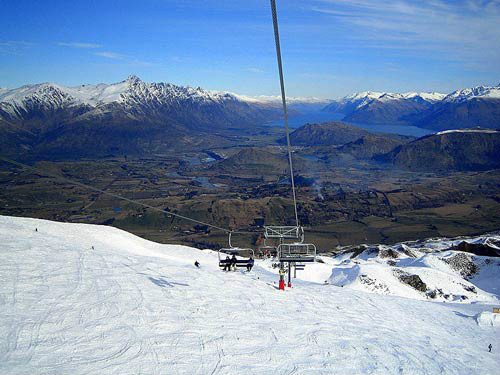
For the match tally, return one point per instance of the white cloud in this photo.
(462, 30)
(110, 55)
(79, 45)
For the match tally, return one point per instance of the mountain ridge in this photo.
(129, 116)
(457, 150)
(462, 108)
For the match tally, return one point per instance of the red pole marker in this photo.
(282, 279)
(289, 285)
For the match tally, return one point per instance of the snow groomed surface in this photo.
(130, 306)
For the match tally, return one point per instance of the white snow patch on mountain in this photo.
(488, 131)
(101, 93)
(79, 299)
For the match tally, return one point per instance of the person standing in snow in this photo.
(250, 264)
(489, 347)
(197, 264)
(233, 262)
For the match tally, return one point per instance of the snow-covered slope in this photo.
(427, 270)
(81, 299)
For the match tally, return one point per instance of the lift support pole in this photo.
(289, 274)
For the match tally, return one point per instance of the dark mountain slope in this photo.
(325, 134)
(468, 150)
(476, 112)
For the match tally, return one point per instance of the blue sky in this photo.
(330, 48)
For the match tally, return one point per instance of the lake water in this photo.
(315, 117)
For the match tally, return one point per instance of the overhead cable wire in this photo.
(67, 180)
(283, 99)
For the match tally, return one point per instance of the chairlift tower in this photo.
(297, 251)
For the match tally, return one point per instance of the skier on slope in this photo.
(197, 264)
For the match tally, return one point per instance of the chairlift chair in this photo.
(283, 232)
(297, 252)
(267, 250)
(270, 251)
(237, 251)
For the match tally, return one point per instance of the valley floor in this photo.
(86, 299)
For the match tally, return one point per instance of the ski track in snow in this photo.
(134, 307)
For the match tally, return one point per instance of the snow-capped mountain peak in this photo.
(388, 96)
(41, 91)
(484, 92)
(427, 96)
(130, 100)
(363, 95)
(132, 90)
(133, 79)
(487, 92)
(44, 96)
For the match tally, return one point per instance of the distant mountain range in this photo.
(45, 105)
(472, 107)
(127, 117)
(46, 121)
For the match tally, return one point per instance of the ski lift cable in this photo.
(67, 180)
(283, 99)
